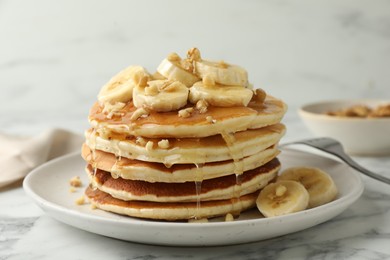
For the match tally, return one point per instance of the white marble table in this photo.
(55, 55)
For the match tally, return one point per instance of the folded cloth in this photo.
(19, 155)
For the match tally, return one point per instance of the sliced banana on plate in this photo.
(319, 184)
(222, 73)
(174, 68)
(221, 96)
(281, 198)
(160, 95)
(120, 87)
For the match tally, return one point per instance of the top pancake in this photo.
(169, 125)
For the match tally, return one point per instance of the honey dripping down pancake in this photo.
(212, 189)
(192, 140)
(156, 172)
(187, 150)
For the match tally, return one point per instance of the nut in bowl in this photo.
(362, 126)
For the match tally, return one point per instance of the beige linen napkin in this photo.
(19, 155)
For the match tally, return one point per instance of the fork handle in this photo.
(361, 169)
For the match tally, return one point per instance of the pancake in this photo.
(226, 187)
(193, 140)
(155, 172)
(170, 125)
(190, 150)
(170, 211)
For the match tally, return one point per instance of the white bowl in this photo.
(359, 136)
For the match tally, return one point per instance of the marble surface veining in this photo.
(55, 56)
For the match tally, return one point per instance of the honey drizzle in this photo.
(198, 187)
(92, 146)
(118, 158)
(237, 156)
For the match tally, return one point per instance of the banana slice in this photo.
(175, 68)
(120, 87)
(281, 198)
(160, 95)
(319, 184)
(221, 96)
(222, 73)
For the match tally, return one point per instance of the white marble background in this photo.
(55, 56)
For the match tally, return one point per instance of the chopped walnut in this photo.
(104, 133)
(80, 200)
(187, 65)
(113, 109)
(362, 111)
(259, 95)
(186, 112)
(202, 105)
(140, 140)
(358, 111)
(229, 217)
(193, 54)
(139, 113)
(381, 111)
(75, 181)
(173, 57)
(164, 144)
(149, 146)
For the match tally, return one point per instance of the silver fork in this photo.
(332, 146)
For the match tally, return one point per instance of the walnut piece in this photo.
(113, 109)
(173, 57)
(229, 217)
(259, 95)
(139, 113)
(149, 146)
(193, 54)
(362, 111)
(80, 200)
(381, 111)
(140, 140)
(164, 144)
(202, 105)
(186, 112)
(75, 182)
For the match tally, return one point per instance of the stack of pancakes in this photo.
(159, 165)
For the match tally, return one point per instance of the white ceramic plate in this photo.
(49, 187)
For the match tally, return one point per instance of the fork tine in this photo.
(334, 147)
